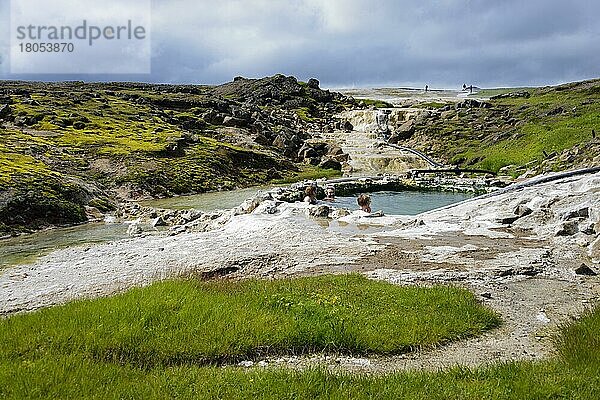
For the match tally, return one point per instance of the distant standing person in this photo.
(464, 87)
(426, 88)
(364, 201)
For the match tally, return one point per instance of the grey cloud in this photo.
(375, 42)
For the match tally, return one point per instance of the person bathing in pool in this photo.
(310, 194)
(364, 201)
(330, 193)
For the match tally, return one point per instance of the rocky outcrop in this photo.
(155, 140)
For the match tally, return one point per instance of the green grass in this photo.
(431, 104)
(60, 352)
(376, 103)
(308, 173)
(305, 114)
(190, 322)
(179, 329)
(517, 131)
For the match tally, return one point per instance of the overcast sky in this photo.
(354, 43)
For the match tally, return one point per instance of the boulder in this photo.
(5, 111)
(188, 216)
(281, 142)
(340, 213)
(312, 161)
(307, 151)
(330, 163)
(522, 210)
(581, 212)
(233, 122)
(585, 270)
(134, 229)
(313, 83)
(506, 219)
(319, 211)
(79, 125)
(158, 221)
(335, 151)
(347, 126)
(342, 158)
(405, 131)
(262, 140)
(568, 228)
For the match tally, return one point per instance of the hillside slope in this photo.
(70, 150)
(536, 130)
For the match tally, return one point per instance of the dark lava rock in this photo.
(313, 83)
(526, 271)
(568, 228)
(262, 140)
(330, 163)
(507, 219)
(513, 95)
(307, 152)
(522, 211)
(5, 111)
(347, 126)
(583, 212)
(585, 270)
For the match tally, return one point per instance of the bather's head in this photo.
(310, 191)
(330, 192)
(364, 201)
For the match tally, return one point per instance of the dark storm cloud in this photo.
(377, 42)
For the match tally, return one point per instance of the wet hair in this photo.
(310, 191)
(363, 200)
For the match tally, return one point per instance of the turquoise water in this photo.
(405, 203)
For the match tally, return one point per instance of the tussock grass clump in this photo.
(192, 322)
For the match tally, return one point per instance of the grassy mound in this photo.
(54, 353)
(108, 141)
(178, 323)
(574, 374)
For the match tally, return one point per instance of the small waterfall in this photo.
(366, 120)
(366, 157)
